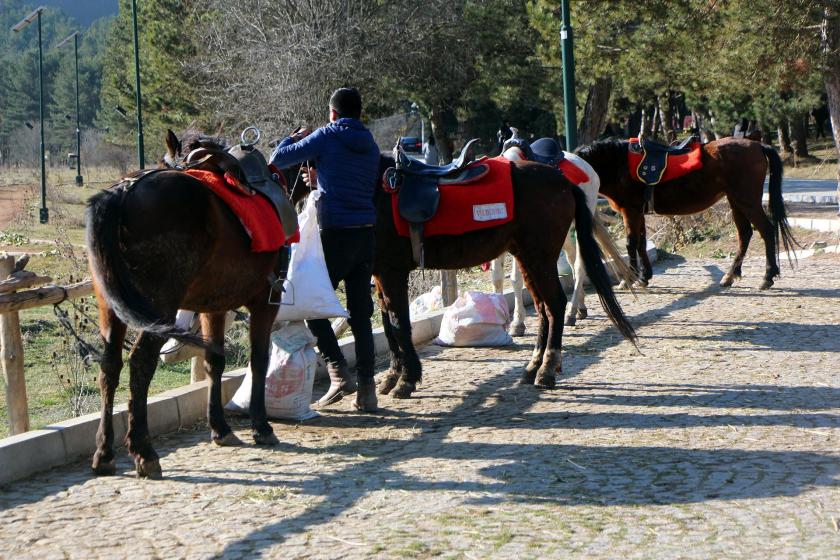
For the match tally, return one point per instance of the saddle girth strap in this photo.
(415, 233)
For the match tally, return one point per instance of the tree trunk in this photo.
(831, 76)
(442, 141)
(595, 111)
(666, 116)
(784, 138)
(799, 135)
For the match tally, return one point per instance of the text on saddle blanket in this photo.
(465, 207)
(651, 164)
(256, 214)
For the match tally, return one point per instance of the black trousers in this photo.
(349, 256)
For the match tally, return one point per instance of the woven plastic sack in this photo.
(426, 303)
(307, 291)
(476, 319)
(290, 376)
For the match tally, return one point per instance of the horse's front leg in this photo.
(632, 220)
(213, 327)
(392, 286)
(262, 317)
(647, 269)
(113, 334)
(142, 364)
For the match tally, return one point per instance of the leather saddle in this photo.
(655, 157)
(249, 169)
(544, 150)
(419, 183)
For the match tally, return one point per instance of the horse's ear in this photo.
(173, 145)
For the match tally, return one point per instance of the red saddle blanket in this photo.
(467, 207)
(675, 166)
(572, 172)
(255, 213)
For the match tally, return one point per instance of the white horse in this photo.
(578, 308)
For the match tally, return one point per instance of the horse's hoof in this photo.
(148, 469)
(517, 329)
(546, 380)
(266, 438)
(642, 282)
(768, 282)
(726, 281)
(582, 313)
(387, 384)
(528, 377)
(229, 440)
(403, 390)
(570, 321)
(104, 468)
(622, 285)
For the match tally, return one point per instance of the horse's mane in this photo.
(194, 139)
(608, 157)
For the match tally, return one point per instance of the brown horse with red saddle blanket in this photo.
(731, 168)
(544, 204)
(163, 240)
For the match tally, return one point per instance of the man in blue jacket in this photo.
(347, 159)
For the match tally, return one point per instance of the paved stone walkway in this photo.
(720, 441)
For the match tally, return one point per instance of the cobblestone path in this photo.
(721, 441)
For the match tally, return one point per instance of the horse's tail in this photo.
(591, 255)
(778, 215)
(619, 266)
(113, 276)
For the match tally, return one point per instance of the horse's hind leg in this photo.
(756, 216)
(578, 309)
(213, 328)
(113, 335)
(742, 224)
(530, 373)
(393, 286)
(397, 369)
(142, 363)
(517, 324)
(544, 281)
(262, 317)
(497, 273)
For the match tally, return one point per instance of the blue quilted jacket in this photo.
(347, 159)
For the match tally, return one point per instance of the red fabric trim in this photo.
(455, 212)
(255, 213)
(572, 172)
(676, 166)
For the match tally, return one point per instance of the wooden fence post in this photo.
(449, 286)
(11, 356)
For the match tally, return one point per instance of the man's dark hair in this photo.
(347, 103)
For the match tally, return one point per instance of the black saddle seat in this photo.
(411, 166)
(547, 151)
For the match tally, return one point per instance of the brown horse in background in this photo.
(545, 205)
(158, 244)
(732, 168)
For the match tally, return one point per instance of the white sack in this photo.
(476, 319)
(308, 291)
(291, 373)
(426, 304)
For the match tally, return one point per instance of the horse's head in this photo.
(178, 151)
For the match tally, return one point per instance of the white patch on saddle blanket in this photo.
(489, 212)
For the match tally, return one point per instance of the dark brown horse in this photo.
(164, 243)
(732, 168)
(545, 204)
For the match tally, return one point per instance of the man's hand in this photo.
(301, 133)
(310, 177)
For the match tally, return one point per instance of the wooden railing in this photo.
(12, 301)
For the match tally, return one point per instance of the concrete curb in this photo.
(817, 224)
(61, 443)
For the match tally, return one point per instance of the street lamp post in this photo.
(36, 15)
(140, 150)
(75, 37)
(569, 100)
